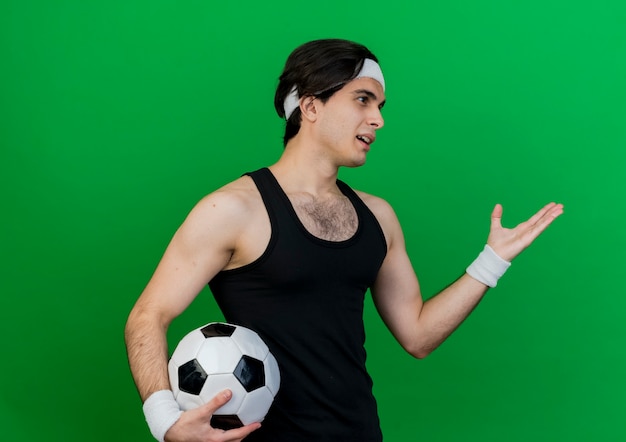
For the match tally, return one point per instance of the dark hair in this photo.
(318, 68)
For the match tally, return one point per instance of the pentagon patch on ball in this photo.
(220, 356)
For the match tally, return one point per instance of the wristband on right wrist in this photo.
(161, 411)
(488, 267)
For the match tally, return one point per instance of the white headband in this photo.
(370, 69)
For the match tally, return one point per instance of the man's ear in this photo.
(308, 107)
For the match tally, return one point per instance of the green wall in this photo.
(117, 116)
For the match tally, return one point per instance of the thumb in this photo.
(496, 217)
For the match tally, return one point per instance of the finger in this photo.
(550, 215)
(546, 218)
(240, 433)
(544, 210)
(217, 401)
(546, 215)
(233, 435)
(496, 217)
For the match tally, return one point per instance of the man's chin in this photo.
(356, 163)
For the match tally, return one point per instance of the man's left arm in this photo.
(420, 327)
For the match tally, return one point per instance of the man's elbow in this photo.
(141, 320)
(419, 351)
(421, 354)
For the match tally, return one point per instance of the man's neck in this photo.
(301, 169)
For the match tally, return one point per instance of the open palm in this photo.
(508, 243)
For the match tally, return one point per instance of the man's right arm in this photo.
(146, 346)
(201, 247)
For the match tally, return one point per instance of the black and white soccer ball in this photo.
(218, 356)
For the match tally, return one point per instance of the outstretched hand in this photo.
(508, 243)
(195, 425)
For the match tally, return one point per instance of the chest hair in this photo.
(332, 219)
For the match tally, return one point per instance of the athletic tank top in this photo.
(304, 296)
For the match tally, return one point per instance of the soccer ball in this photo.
(217, 356)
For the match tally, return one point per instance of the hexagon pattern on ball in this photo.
(217, 356)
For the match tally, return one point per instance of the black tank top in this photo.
(304, 296)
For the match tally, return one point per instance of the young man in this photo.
(289, 251)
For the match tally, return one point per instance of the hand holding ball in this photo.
(222, 356)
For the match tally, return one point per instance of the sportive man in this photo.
(289, 251)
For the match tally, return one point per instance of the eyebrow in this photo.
(370, 94)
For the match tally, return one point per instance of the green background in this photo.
(117, 116)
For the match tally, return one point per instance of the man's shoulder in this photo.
(373, 202)
(236, 197)
(382, 210)
(241, 189)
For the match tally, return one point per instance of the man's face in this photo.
(348, 121)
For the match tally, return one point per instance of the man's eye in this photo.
(363, 99)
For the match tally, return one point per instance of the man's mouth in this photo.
(366, 139)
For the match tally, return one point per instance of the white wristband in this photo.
(488, 267)
(161, 411)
